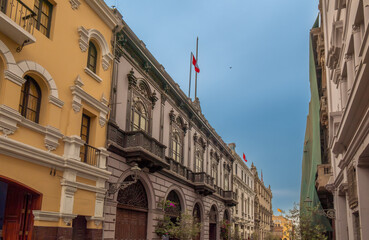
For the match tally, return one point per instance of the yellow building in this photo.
(282, 227)
(55, 74)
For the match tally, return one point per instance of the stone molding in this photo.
(93, 75)
(79, 94)
(74, 4)
(13, 77)
(84, 38)
(109, 17)
(9, 118)
(52, 216)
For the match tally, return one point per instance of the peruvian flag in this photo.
(244, 157)
(194, 62)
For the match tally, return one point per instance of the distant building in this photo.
(243, 186)
(262, 206)
(282, 228)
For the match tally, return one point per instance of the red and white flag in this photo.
(194, 62)
(244, 157)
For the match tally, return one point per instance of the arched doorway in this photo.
(132, 208)
(213, 216)
(197, 218)
(17, 202)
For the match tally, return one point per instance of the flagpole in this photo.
(197, 59)
(189, 87)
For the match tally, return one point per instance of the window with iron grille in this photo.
(43, 9)
(30, 101)
(92, 57)
(85, 135)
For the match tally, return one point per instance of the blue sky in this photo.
(261, 103)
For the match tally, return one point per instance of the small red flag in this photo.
(244, 157)
(194, 62)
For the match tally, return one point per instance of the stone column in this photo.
(163, 100)
(343, 87)
(366, 13)
(357, 44)
(350, 72)
(363, 194)
(341, 216)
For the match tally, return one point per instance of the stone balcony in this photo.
(138, 147)
(324, 171)
(230, 198)
(204, 184)
(17, 21)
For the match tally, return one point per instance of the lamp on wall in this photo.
(329, 213)
(113, 188)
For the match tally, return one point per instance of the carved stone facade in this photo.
(346, 31)
(180, 155)
(263, 211)
(243, 185)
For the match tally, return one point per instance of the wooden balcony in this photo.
(138, 147)
(230, 198)
(17, 21)
(203, 183)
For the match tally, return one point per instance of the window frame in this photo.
(39, 13)
(23, 105)
(140, 115)
(92, 46)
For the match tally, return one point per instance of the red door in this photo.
(130, 224)
(18, 217)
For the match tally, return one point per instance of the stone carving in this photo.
(74, 4)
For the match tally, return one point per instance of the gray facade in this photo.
(154, 125)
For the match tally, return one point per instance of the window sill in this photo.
(93, 75)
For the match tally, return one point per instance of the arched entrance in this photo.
(213, 216)
(132, 208)
(197, 218)
(16, 205)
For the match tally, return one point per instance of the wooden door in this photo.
(18, 219)
(130, 224)
(79, 228)
(212, 231)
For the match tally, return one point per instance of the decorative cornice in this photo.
(56, 101)
(79, 94)
(93, 75)
(74, 4)
(13, 77)
(9, 119)
(109, 16)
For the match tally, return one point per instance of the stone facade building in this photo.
(155, 127)
(262, 206)
(243, 186)
(345, 25)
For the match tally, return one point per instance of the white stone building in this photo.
(345, 28)
(243, 186)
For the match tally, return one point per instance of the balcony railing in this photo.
(90, 155)
(137, 146)
(204, 184)
(17, 21)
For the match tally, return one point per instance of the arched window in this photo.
(198, 160)
(176, 146)
(197, 218)
(140, 117)
(173, 212)
(92, 57)
(214, 173)
(30, 100)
